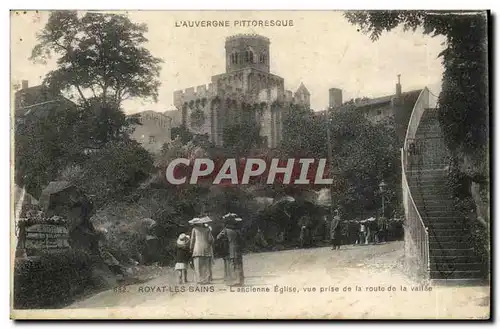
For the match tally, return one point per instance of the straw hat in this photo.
(183, 239)
(202, 220)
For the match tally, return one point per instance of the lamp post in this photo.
(382, 186)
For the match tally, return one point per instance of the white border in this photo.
(180, 5)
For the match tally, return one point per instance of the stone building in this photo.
(154, 130)
(394, 109)
(38, 102)
(246, 92)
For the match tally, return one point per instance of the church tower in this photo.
(246, 92)
(247, 51)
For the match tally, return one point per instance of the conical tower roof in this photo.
(302, 90)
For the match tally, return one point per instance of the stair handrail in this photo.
(416, 115)
(418, 230)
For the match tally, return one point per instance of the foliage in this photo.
(98, 54)
(364, 155)
(197, 118)
(51, 280)
(295, 142)
(114, 171)
(459, 184)
(239, 139)
(48, 147)
(44, 146)
(101, 121)
(463, 102)
(183, 133)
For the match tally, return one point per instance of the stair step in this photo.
(446, 238)
(456, 266)
(456, 274)
(423, 188)
(429, 189)
(448, 232)
(418, 172)
(436, 215)
(428, 136)
(453, 259)
(433, 206)
(447, 217)
(427, 197)
(417, 177)
(469, 252)
(438, 222)
(448, 245)
(434, 211)
(437, 197)
(443, 225)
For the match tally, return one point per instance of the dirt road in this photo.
(357, 282)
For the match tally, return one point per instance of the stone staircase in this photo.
(450, 250)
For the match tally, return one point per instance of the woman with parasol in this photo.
(233, 262)
(201, 249)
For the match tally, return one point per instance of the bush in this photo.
(53, 280)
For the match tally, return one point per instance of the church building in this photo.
(246, 92)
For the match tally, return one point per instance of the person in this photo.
(362, 234)
(182, 258)
(223, 251)
(382, 229)
(260, 240)
(335, 231)
(235, 275)
(302, 236)
(105, 254)
(368, 233)
(201, 251)
(212, 252)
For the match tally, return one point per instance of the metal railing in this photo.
(414, 223)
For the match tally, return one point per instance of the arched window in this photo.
(249, 56)
(234, 58)
(262, 58)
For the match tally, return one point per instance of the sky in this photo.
(322, 50)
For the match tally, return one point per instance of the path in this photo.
(291, 276)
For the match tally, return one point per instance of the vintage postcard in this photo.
(250, 165)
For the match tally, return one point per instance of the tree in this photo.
(114, 171)
(239, 139)
(463, 102)
(102, 121)
(184, 134)
(44, 146)
(364, 155)
(98, 54)
(295, 142)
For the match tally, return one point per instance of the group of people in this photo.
(197, 249)
(373, 231)
(365, 232)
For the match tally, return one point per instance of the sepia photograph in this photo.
(259, 164)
